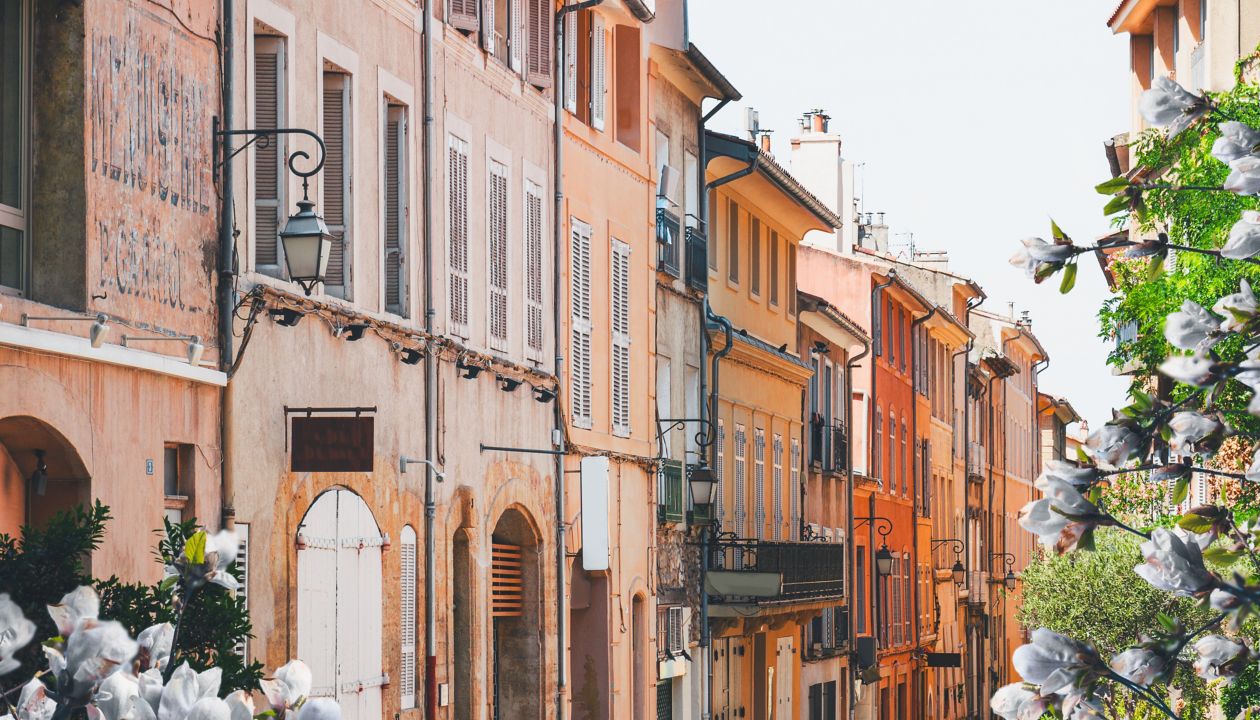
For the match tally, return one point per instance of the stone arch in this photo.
(41, 472)
(516, 614)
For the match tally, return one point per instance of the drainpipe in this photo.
(705, 224)
(851, 546)
(430, 376)
(705, 635)
(915, 474)
(972, 304)
(227, 271)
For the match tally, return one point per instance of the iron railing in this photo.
(668, 242)
(809, 570)
(673, 501)
(828, 444)
(697, 259)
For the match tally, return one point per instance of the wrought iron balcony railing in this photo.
(808, 570)
(828, 444)
(668, 241)
(697, 260)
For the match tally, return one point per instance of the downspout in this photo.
(705, 635)
(227, 272)
(972, 304)
(851, 546)
(915, 473)
(430, 375)
(705, 224)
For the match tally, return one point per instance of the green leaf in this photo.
(1058, 233)
(1180, 489)
(1194, 523)
(1166, 622)
(195, 548)
(1087, 541)
(168, 582)
(1156, 267)
(1119, 203)
(1081, 455)
(1112, 186)
(1222, 556)
(1069, 279)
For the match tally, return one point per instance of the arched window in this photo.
(407, 616)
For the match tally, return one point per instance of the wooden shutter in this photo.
(335, 176)
(539, 58)
(517, 35)
(777, 457)
(570, 61)
(462, 14)
(580, 321)
(774, 267)
(675, 627)
(506, 587)
(759, 482)
(754, 255)
(268, 173)
(790, 286)
(497, 226)
(599, 71)
(741, 462)
(794, 490)
(487, 25)
(719, 467)
(620, 338)
(395, 209)
(457, 234)
(407, 619)
(732, 241)
(534, 271)
(242, 592)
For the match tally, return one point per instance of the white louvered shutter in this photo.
(777, 506)
(395, 210)
(336, 180)
(599, 68)
(759, 482)
(407, 619)
(676, 641)
(720, 469)
(457, 240)
(242, 593)
(268, 158)
(741, 460)
(580, 321)
(516, 35)
(497, 225)
(534, 271)
(620, 338)
(487, 25)
(794, 491)
(570, 62)
(539, 55)
(462, 14)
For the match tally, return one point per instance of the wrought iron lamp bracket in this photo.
(262, 137)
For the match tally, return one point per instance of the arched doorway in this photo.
(339, 602)
(516, 637)
(41, 473)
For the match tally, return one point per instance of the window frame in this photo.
(328, 71)
(394, 111)
(19, 218)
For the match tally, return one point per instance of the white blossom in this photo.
(1079, 476)
(241, 705)
(76, 607)
(34, 703)
(1192, 328)
(1111, 446)
(1244, 237)
(185, 689)
(319, 709)
(1190, 428)
(16, 633)
(155, 645)
(1244, 176)
(1237, 140)
(1169, 104)
(1173, 565)
(1054, 662)
(1036, 251)
(210, 708)
(1010, 702)
(118, 698)
(1238, 308)
(1220, 657)
(288, 686)
(1061, 517)
(1197, 370)
(1139, 665)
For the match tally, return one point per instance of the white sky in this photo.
(977, 121)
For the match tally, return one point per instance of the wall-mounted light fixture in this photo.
(468, 371)
(96, 336)
(352, 331)
(287, 317)
(507, 384)
(406, 355)
(1010, 580)
(959, 571)
(821, 348)
(544, 394)
(195, 348)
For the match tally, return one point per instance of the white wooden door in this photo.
(783, 695)
(339, 603)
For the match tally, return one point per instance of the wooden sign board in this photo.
(333, 444)
(944, 659)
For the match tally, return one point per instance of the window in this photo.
(732, 241)
(690, 188)
(501, 31)
(538, 58)
(741, 455)
(777, 505)
(759, 482)
(14, 143)
(711, 245)
(457, 235)
(877, 446)
(395, 237)
(860, 577)
(586, 62)
(794, 490)
(407, 616)
(269, 171)
(620, 302)
(626, 85)
(790, 285)
(336, 181)
(890, 333)
(905, 474)
(754, 255)
(719, 468)
(497, 255)
(892, 452)
(534, 271)
(774, 267)
(462, 14)
(177, 480)
(901, 337)
(243, 567)
(580, 321)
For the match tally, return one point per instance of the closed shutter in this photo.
(599, 69)
(620, 338)
(790, 285)
(506, 598)
(580, 321)
(395, 209)
(268, 173)
(754, 256)
(497, 224)
(336, 176)
(457, 234)
(516, 35)
(720, 469)
(794, 490)
(777, 457)
(815, 702)
(533, 271)
(407, 620)
(242, 592)
(487, 25)
(759, 482)
(774, 267)
(570, 62)
(732, 241)
(741, 460)
(538, 56)
(463, 14)
(676, 642)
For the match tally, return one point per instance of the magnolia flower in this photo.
(1197, 370)
(16, 633)
(1253, 470)
(1062, 517)
(186, 689)
(1244, 176)
(118, 698)
(320, 709)
(1173, 565)
(288, 687)
(1167, 103)
(1244, 237)
(155, 646)
(209, 708)
(76, 607)
(209, 565)
(1220, 657)
(1224, 601)
(1036, 252)
(1055, 662)
(1078, 707)
(1238, 308)
(1079, 476)
(1192, 328)
(1112, 446)
(93, 653)
(241, 705)
(1017, 702)
(1190, 428)
(1237, 140)
(33, 702)
(1140, 665)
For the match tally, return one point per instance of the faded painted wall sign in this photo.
(333, 444)
(152, 92)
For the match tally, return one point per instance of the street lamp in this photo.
(883, 561)
(307, 245)
(703, 488)
(960, 573)
(1010, 580)
(959, 570)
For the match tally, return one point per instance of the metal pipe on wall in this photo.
(430, 374)
(915, 475)
(227, 270)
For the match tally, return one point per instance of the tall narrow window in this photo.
(719, 467)
(627, 104)
(777, 487)
(573, 46)
(711, 232)
(14, 143)
(691, 189)
(732, 241)
(244, 568)
(497, 254)
(759, 482)
(407, 616)
(395, 238)
(620, 302)
(538, 55)
(741, 463)
(457, 234)
(269, 172)
(754, 255)
(580, 320)
(774, 267)
(860, 578)
(598, 72)
(892, 452)
(905, 470)
(790, 285)
(794, 491)
(533, 271)
(877, 446)
(336, 181)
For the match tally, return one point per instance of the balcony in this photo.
(828, 445)
(745, 571)
(668, 242)
(697, 260)
(977, 461)
(673, 504)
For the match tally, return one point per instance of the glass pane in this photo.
(170, 471)
(11, 255)
(11, 75)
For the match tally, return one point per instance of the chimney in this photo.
(819, 120)
(765, 142)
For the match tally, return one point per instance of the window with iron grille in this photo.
(497, 252)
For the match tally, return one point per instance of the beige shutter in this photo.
(395, 209)
(407, 617)
(777, 505)
(463, 14)
(487, 25)
(268, 172)
(774, 267)
(794, 490)
(335, 180)
(534, 271)
(517, 34)
(570, 62)
(790, 286)
(599, 70)
(620, 272)
(719, 468)
(754, 255)
(580, 320)
(497, 229)
(539, 56)
(457, 236)
(759, 482)
(741, 470)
